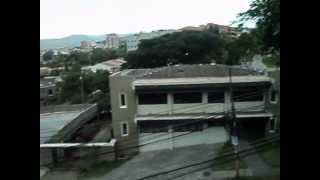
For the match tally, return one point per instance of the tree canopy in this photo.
(188, 47)
(266, 13)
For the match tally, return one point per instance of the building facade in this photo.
(153, 101)
(47, 91)
(230, 31)
(112, 41)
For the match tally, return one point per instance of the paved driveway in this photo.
(156, 161)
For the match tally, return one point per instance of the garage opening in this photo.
(252, 128)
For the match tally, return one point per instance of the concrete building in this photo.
(112, 41)
(84, 45)
(132, 41)
(274, 74)
(231, 31)
(47, 91)
(152, 102)
(112, 66)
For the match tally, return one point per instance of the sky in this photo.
(61, 18)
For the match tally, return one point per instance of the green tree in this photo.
(99, 55)
(266, 13)
(70, 88)
(189, 47)
(242, 49)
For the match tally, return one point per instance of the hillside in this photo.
(69, 41)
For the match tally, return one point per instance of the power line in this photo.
(194, 106)
(187, 123)
(210, 160)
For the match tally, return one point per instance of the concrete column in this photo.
(204, 101)
(227, 101)
(170, 102)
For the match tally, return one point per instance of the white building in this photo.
(112, 66)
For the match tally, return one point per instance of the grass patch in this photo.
(100, 169)
(271, 155)
(219, 165)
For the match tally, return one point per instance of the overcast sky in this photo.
(60, 18)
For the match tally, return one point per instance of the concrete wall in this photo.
(275, 107)
(120, 84)
(45, 156)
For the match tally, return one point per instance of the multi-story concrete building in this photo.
(155, 101)
(112, 41)
(231, 31)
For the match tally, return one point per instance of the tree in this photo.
(99, 55)
(189, 47)
(48, 55)
(266, 13)
(70, 87)
(242, 49)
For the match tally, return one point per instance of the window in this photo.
(215, 97)
(124, 129)
(50, 92)
(248, 95)
(152, 99)
(183, 98)
(274, 96)
(123, 103)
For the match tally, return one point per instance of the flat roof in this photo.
(52, 123)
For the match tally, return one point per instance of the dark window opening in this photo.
(124, 129)
(123, 100)
(183, 98)
(216, 97)
(152, 99)
(50, 92)
(248, 95)
(272, 124)
(274, 96)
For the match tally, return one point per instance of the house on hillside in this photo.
(167, 101)
(113, 65)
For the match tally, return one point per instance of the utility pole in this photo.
(81, 88)
(234, 125)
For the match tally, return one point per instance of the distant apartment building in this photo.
(87, 44)
(112, 41)
(132, 41)
(151, 102)
(231, 31)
